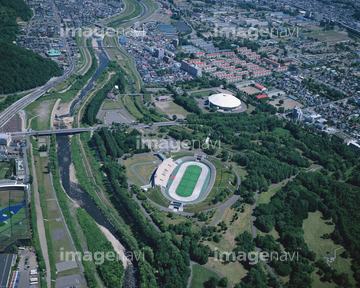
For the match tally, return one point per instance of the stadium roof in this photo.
(224, 101)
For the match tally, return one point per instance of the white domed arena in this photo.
(226, 102)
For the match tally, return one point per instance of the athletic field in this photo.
(188, 181)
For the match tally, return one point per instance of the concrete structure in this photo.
(5, 139)
(20, 169)
(261, 96)
(53, 53)
(136, 25)
(224, 101)
(260, 87)
(159, 53)
(6, 262)
(163, 98)
(271, 62)
(192, 69)
(164, 171)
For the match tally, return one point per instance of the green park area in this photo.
(201, 275)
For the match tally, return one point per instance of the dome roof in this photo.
(223, 100)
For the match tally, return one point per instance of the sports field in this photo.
(188, 181)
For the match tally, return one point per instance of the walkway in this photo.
(207, 267)
(40, 222)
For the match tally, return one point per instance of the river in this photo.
(74, 189)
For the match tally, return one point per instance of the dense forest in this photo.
(21, 69)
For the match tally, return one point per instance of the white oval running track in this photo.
(199, 184)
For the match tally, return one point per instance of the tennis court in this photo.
(188, 181)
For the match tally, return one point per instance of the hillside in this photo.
(21, 69)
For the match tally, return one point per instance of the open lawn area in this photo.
(156, 196)
(145, 170)
(264, 197)
(200, 275)
(40, 111)
(111, 105)
(202, 94)
(314, 228)
(240, 225)
(330, 37)
(4, 167)
(170, 109)
(139, 159)
(130, 106)
(288, 103)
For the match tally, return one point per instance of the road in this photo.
(40, 222)
(79, 130)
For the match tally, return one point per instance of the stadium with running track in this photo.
(186, 180)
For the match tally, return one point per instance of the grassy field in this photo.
(4, 167)
(314, 228)
(139, 159)
(281, 132)
(264, 197)
(202, 94)
(240, 225)
(177, 155)
(130, 106)
(170, 109)
(200, 275)
(145, 170)
(156, 196)
(111, 105)
(40, 111)
(188, 181)
(240, 170)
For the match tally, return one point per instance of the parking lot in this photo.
(27, 263)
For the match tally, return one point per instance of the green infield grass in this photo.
(188, 181)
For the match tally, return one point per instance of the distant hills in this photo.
(21, 69)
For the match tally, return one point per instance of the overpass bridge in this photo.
(71, 131)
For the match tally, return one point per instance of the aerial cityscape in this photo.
(172, 143)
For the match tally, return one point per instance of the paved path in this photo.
(137, 174)
(146, 214)
(40, 222)
(207, 267)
